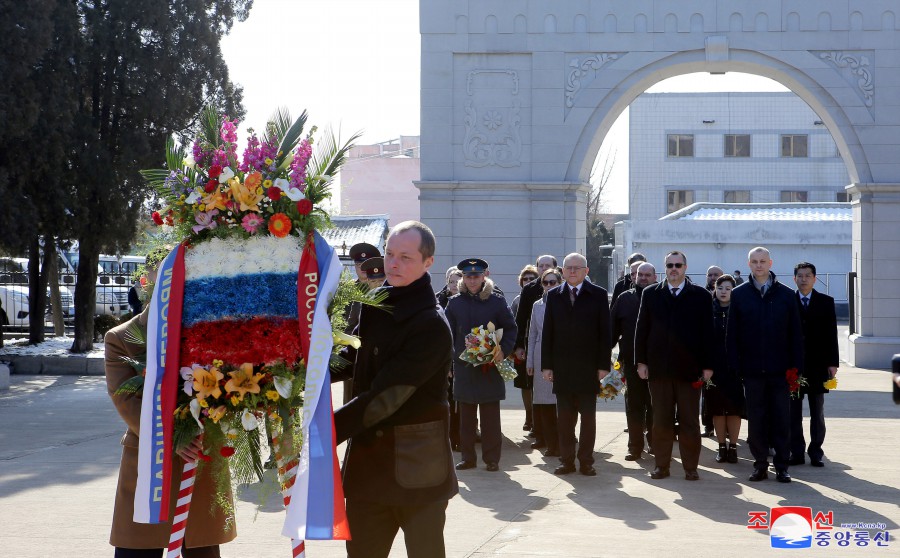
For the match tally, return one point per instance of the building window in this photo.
(793, 196)
(679, 199)
(737, 196)
(794, 145)
(681, 145)
(737, 145)
(842, 197)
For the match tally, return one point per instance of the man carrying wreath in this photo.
(478, 304)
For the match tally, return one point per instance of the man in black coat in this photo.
(398, 471)
(673, 349)
(626, 282)
(531, 293)
(575, 353)
(764, 340)
(820, 364)
(624, 312)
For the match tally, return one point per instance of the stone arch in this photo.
(824, 21)
(550, 24)
(490, 24)
(520, 24)
(761, 22)
(736, 22)
(793, 21)
(640, 79)
(640, 23)
(696, 23)
(671, 23)
(888, 21)
(462, 24)
(581, 23)
(610, 24)
(856, 21)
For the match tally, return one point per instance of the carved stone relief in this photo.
(492, 119)
(856, 69)
(583, 71)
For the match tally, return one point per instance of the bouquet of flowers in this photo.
(612, 385)
(795, 381)
(701, 382)
(831, 383)
(482, 344)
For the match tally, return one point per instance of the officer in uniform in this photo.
(373, 269)
(361, 252)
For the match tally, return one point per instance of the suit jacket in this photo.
(819, 324)
(763, 335)
(398, 420)
(576, 340)
(674, 334)
(206, 523)
(624, 314)
(531, 293)
(621, 286)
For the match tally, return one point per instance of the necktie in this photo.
(572, 294)
(762, 290)
(674, 291)
(805, 301)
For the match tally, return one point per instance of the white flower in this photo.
(248, 420)
(195, 411)
(283, 386)
(294, 193)
(193, 198)
(231, 433)
(227, 174)
(282, 184)
(341, 338)
(187, 374)
(189, 162)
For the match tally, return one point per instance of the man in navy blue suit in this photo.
(575, 353)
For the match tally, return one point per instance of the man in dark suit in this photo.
(672, 348)
(531, 293)
(764, 341)
(575, 357)
(820, 363)
(626, 282)
(398, 471)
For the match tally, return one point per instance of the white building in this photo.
(768, 152)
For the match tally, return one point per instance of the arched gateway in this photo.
(517, 96)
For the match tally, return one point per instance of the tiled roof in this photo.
(826, 211)
(352, 229)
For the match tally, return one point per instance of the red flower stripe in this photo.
(257, 340)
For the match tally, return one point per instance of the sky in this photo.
(354, 65)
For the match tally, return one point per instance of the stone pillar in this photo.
(507, 223)
(876, 260)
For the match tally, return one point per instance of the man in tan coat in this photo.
(207, 525)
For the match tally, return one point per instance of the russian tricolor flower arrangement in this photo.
(245, 321)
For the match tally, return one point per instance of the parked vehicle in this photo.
(114, 279)
(14, 294)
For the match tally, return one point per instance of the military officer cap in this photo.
(472, 266)
(373, 268)
(362, 251)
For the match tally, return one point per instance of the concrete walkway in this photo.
(59, 455)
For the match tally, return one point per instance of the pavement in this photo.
(59, 458)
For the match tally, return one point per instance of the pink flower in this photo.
(251, 222)
(205, 220)
(229, 130)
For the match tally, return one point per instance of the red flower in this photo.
(274, 193)
(204, 457)
(227, 451)
(279, 225)
(157, 218)
(698, 384)
(211, 186)
(215, 171)
(304, 206)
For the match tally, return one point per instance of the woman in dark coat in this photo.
(724, 400)
(451, 287)
(523, 381)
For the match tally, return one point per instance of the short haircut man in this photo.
(764, 340)
(625, 282)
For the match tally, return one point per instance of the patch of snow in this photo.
(53, 346)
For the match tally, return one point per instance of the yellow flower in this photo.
(247, 197)
(268, 160)
(217, 413)
(831, 384)
(617, 365)
(215, 200)
(273, 395)
(218, 363)
(235, 400)
(267, 183)
(203, 403)
(206, 382)
(243, 381)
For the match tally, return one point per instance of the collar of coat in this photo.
(403, 302)
(486, 291)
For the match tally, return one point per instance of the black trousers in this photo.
(569, 406)
(667, 395)
(768, 419)
(491, 436)
(199, 552)
(816, 427)
(638, 411)
(373, 527)
(545, 419)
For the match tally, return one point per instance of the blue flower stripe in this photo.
(241, 297)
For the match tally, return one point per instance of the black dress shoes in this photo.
(564, 470)
(632, 456)
(463, 465)
(587, 471)
(660, 473)
(692, 475)
(551, 453)
(455, 446)
(782, 476)
(538, 444)
(492, 467)
(816, 463)
(760, 473)
(797, 461)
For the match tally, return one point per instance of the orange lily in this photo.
(243, 381)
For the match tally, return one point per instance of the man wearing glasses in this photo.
(575, 357)
(672, 346)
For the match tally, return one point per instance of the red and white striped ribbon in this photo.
(287, 474)
(182, 507)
